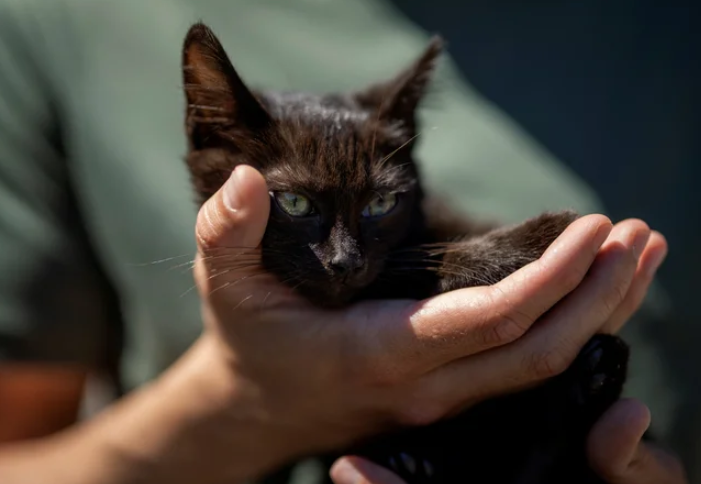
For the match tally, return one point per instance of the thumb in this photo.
(235, 217)
(230, 228)
(355, 470)
(619, 455)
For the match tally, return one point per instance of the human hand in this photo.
(617, 453)
(309, 380)
(615, 449)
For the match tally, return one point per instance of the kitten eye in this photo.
(293, 204)
(380, 205)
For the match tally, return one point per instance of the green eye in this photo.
(380, 205)
(293, 204)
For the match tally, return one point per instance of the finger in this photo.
(652, 258)
(354, 470)
(236, 215)
(617, 454)
(554, 342)
(468, 321)
(230, 227)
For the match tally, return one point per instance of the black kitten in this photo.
(350, 221)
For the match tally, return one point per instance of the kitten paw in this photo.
(599, 371)
(412, 468)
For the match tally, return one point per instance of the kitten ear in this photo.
(396, 100)
(218, 101)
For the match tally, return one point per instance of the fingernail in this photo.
(232, 199)
(639, 242)
(344, 473)
(602, 234)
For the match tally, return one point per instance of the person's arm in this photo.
(184, 427)
(53, 317)
(38, 399)
(55, 327)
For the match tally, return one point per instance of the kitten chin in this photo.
(330, 294)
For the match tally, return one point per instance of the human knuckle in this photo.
(569, 280)
(418, 410)
(507, 323)
(204, 228)
(624, 263)
(615, 297)
(548, 362)
(509, 327)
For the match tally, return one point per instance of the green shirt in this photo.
(93, 187)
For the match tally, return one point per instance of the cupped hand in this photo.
(615, 449)
(309, 380)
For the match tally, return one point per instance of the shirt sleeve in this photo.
(55, 303)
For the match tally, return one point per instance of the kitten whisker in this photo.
(226, 284)
(396, 167)
(388, 157)
(158, 261)
(190, 87)
(301, 282)
(243, 301)
(213, 276)
(210, 120)
(241, 279)
(207, 108)
(374, 134)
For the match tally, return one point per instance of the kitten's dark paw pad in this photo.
(412, 468)
(597, 382)
(600, 370)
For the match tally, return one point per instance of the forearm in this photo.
(191, 425)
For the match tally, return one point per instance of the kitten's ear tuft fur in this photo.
(217, 98)
(396, 100)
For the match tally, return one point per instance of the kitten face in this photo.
(343, 184)
(343, 194)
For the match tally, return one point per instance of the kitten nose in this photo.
(344, 265)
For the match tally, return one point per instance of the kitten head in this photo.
(344, 187)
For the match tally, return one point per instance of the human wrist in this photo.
(198, 422)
